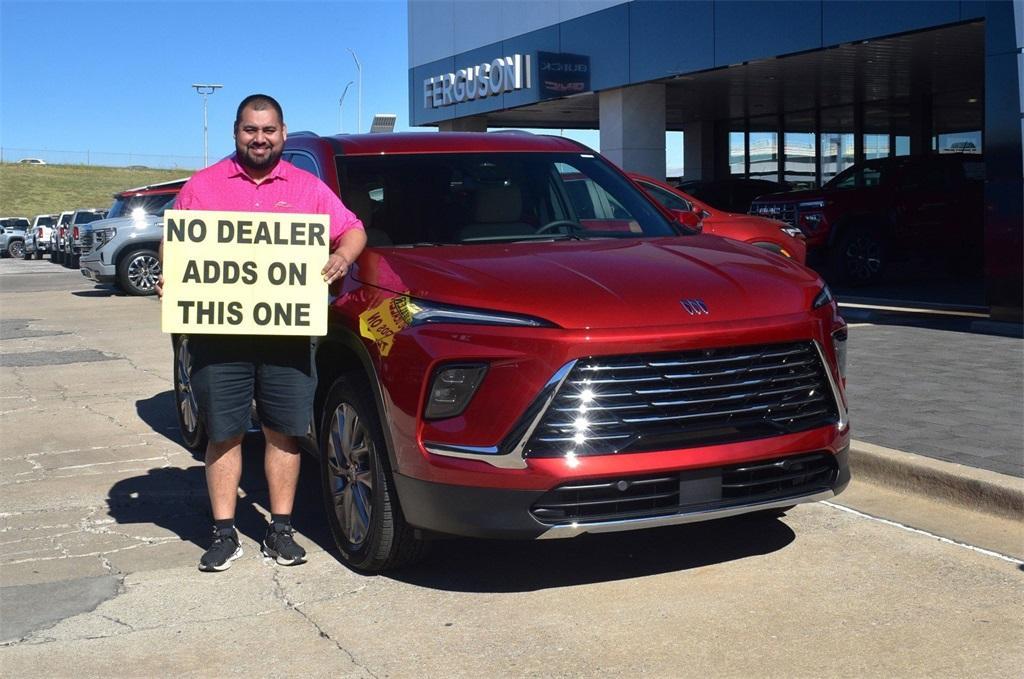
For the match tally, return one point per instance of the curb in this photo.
(968, 487)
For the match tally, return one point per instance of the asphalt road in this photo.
(103, 518)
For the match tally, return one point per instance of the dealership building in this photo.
(791, 92)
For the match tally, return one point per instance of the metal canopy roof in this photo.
(946, 63)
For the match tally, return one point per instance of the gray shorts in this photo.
(228, 372)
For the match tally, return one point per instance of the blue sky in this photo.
(114, 78)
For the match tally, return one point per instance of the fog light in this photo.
(451, 390)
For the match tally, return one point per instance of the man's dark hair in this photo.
(258, 102)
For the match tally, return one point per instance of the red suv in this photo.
(880, 210)
(505, 360)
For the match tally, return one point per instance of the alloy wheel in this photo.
(143, 272)
(349, 449)
(187, 405)
(863, 258)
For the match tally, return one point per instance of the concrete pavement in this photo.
(103, 517)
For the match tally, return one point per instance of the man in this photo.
(230, 370)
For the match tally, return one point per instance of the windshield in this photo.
(860, 176)
(494, 197)
(152, 204)
(86, 217)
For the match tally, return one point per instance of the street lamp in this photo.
(359, 68)
(341, 108)
(205, 90)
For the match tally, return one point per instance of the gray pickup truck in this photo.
(73, 236)
(123, 249)
(12, 236)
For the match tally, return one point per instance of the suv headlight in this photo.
(430, 312)
(824, 297)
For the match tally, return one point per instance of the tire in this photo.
(16, 249)
(26, 255)
(57, 257)
(39, 254)
(359, 495)
(71, 260)
(860, 256)
(193, 432)
(138, 271)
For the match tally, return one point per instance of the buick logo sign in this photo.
(695, 307)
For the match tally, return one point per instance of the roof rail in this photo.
(509, 132)
(303, 133)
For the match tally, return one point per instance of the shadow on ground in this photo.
(99, 292)
(464, 565)
(176, 499)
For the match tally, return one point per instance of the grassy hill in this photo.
(29, 190)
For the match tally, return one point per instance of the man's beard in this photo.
(249, 162)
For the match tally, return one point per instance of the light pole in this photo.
(205, 90)
(359, 68)
(341, 108)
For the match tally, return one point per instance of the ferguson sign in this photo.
(504, 74)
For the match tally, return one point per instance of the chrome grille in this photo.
(691, 490)
(88, 242)
(628, 404)
(783, 211)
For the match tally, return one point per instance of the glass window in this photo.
(737, 153)
(860, 176)
(902, 145)
(764, 154)
(304, 162)
(960, 142)
(876, 146)
(799, 152)
(488, 197)
(670, 200)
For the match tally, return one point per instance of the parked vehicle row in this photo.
(118, 245)
(123, 249)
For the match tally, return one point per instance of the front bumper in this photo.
(97, 271)
(512, 514)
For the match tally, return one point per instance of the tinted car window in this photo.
(860, 176)
(86, 217)
(667, 198)
(481, 197)
(304, 162)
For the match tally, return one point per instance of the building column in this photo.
(632, 121)
(699, 150)
(467, 124)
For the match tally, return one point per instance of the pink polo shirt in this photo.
(226, 186)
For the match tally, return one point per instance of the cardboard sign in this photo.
(245, 273)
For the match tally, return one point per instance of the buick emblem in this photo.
(695, 307)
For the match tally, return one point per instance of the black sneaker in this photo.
(222, 552)
(280, 545)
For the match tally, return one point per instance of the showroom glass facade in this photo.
(791, 91)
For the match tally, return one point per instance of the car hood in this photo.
(600, 283)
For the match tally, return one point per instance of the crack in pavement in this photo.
(295, 606)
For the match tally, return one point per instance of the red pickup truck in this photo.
(886, 209)
(505, 360)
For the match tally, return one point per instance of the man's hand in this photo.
(160, 286)
(336, 267)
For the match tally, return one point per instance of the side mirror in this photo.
(688, 219)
